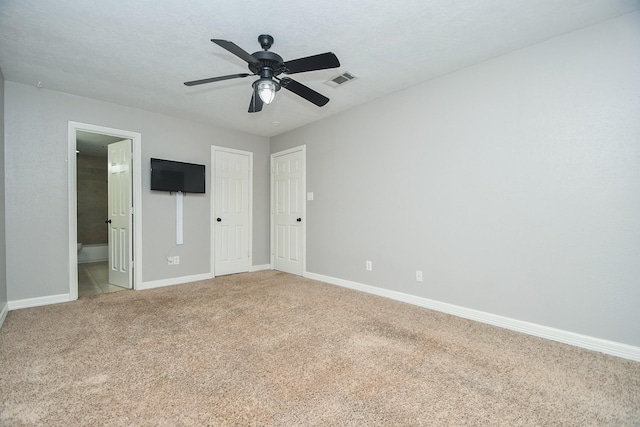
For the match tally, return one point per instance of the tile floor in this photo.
(93, 279)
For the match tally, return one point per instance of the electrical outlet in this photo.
(170, 261)
(369, 266)
(418, 276)
(176, 260)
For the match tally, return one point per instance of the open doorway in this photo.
(103, 258)
(92, 189)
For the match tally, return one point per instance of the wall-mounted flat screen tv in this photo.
(168, 175)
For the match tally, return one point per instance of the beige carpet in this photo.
(269, 348)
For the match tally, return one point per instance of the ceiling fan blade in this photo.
(312, 63)
(236, 50)
(216, 79)
(304, 91)
(256, 102)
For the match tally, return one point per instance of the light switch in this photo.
(310, 195)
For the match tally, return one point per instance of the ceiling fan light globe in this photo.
(267, 90)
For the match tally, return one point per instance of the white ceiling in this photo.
(139, 53)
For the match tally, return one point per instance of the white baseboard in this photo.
(37, 302)
(3, 313)
(584, 341)
(174, 281)
(93, 260)
(93, 253)
(195, 278)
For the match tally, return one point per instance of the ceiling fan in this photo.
(269, 65)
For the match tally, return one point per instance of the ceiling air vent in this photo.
(341, 79)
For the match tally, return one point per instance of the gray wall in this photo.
(3, 258)
(514, 185)
(36, 188)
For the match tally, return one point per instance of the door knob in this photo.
(108, 221)
(219, 219)
(299, 219)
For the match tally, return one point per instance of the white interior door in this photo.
(232, 211)
(287, 210)
(119, 221)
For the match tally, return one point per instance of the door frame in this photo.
(136, 177)
(303, 150)
(214, 149)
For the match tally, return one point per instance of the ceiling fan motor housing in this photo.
(271, 64)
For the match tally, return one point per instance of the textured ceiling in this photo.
(138, 53)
